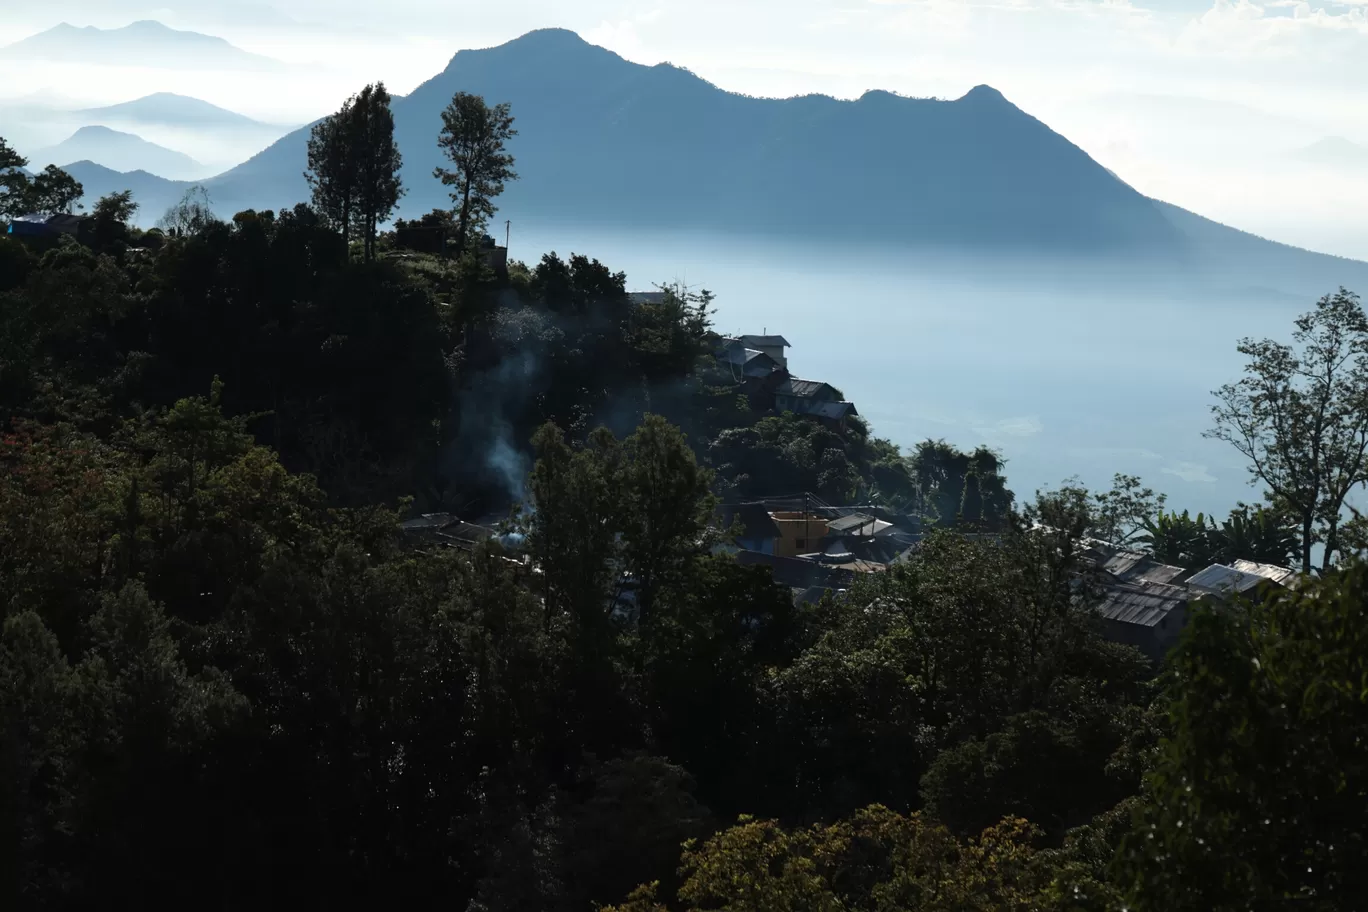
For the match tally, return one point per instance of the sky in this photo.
(1203, 103)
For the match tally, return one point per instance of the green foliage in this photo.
(50, 191)
(1298, 417)
(193, 215)
(53, 190)
(1257, 799)
(875, 860)
(226, 672)
(1255, 534)
(1121, 515)
(954, 487)
(473, 139)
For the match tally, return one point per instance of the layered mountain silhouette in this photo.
(1334, 152)
(119, 152)
(166, 109)
(603, 141)
(146, 43)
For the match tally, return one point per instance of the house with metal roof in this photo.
(746, 362)
(1224, 582)
(1130, 566)
(1149, 616)
(1282, 576)
(40, 225)
(814, 399)
(858, 524)
(771, 345)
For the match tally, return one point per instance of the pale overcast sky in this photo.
(1242, 85)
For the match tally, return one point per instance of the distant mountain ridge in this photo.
(606, 142)
(171, 110)
(143, 43)
(119, 151)
(1334, 151)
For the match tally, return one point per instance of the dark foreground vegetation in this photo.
(226, 679)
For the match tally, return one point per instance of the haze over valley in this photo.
(973, 268)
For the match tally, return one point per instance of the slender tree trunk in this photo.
(464, 226)
(1331, 545)
(1308, 522)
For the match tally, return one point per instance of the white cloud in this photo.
(1190, 472)
(1012, 427)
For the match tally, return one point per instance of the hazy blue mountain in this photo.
(146, 43)
(119, 152)
(608, 143)
(605, 140)
(153, 194)
(170, 110)
(1334, 152)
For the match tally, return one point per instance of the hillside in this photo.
(144, 44)
(606, 142)
(119, 152)
(168, 109)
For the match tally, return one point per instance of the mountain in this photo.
(119, 152)
(146, 44)
(153, 194)
(170, 110)
(1334, 152)
(606, 142)
(603, 140)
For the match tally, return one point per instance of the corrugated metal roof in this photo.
(766, 341)
(805, 389)
(1283, 576)
(1141, 603)
(1219, 578)
(1132, 565)
(853, 521)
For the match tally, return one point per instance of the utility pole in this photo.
(508, 231)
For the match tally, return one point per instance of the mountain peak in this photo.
(97, 130)
(985, 94)
(551, 37)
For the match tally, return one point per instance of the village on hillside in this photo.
(818, 549)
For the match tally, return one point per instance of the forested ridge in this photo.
(228, 679)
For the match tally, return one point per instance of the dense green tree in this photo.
(1181, 540)
(877, 859)
(473, 138)
(943, 475)
(14, 183)
(113, 215)
(1300, 416)
(332, 173)
(53, 190)
(666, 511)
(376, 161)
(1258, 796)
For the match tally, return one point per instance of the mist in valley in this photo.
(1067, 367)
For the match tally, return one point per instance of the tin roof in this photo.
(1142, 603)
(766, 341)
(1283, 576)
(859, 522)
(805, 389)
(1220, 579)
(1129, 565)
